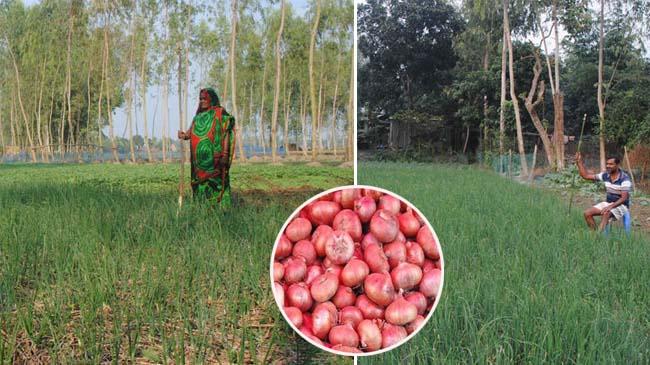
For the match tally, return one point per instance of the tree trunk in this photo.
(20, 102)
(287, 107)
(558, 99)
(321, 104)
(38, 114)
(48, 130)
(502, 115)
(143, 72)
(513, 94)
(486, 129)
(68, 81)
(262, 128)
(530, 103)
(165, 91)
(303, 121)
(12, 120)
(336, 91)
(276, 95)
(351, 110)
(312, 83)
(131, 95)
(601, 101)
(233, 74)
(111, 130)
(100, 141)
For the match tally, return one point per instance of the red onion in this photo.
(430, 283)
(344, 297)
(369, 309)
(379, 288)
(294, 271)
(368, 239)
(298, 296)
(298, 229)
(295, 316)
(339, 247)
(400, 238)
(428, 243)
(415, 324)
(414, 253)
(374, 194)
(324, 287)
(418, 299)
(406, 276)
(400, 312)
(348, 221)
(336, 196)
(284, 248)
(322, 321)
(376, 259)
(395, 252)
(428, 265)
(391, 334)
(335, 269)
(354, 272)
(319, 239)
(365, 207)
(323, 212)
(313, 272)
(348, 196)
(390, 203)
(369, 334)
(408, 224)
(351, 315)
(384, 226)
(344, 348)
(304, 249)
(278, 271)
(278, 293)
(344, 335)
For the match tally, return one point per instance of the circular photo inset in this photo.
(357, 270)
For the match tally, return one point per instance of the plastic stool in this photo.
(627, 223)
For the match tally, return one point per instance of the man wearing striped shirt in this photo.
(618, 185)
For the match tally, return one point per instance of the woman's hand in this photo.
(183, 135)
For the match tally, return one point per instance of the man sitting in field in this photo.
(618, 185)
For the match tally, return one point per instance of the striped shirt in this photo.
(617, 187)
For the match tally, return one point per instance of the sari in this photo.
(211, 140)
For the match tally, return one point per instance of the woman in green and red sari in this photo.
(211, 138)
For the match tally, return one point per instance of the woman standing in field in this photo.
(211, 138)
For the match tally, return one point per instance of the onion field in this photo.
(98, 265)
(525, 282)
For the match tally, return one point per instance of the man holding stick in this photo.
(618, 185)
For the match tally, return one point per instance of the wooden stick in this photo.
(181, 182)
(629, 166)
(573, 184)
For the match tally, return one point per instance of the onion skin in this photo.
(428, 265)
(391, 334)
(348, 196)
(348, 221)
(414, 253)
(400, 312)
(365, 207)
(379, 288)
(323, 212)
(295, 316)
(368, 239)
(384, 226)
(406, 276)
(284, 248)
(376, 259)
(418, 299)
(354, 272)
(369, 335)
(430, 283)
(344, 335)
(298, 296)
(339, 248)
(415, 324)
(306, 250)
(298, 229)
(351, 315)
(374, 194)
(408, 224)
(278, 293)
(294, 271)
(324, 287)
(344, 348)
(319, 239)
(389, 203)
(344, 297)
(278, 271)
(322, 321)
(395, 252)
(368, 308)
(428, 243)
(313, 272)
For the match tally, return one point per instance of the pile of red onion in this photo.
(357, 270)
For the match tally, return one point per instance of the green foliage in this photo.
(524, 282)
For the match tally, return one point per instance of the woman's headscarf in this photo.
(214, 98)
